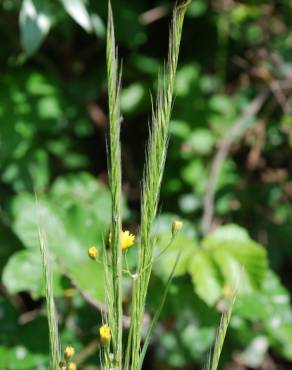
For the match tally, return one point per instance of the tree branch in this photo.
(239, 125)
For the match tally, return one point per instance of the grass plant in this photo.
(113, 355)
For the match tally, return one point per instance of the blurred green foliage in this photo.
(52, 142)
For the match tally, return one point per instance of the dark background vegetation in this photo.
(234, 70)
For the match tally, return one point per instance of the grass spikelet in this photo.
(156, 154)
(51, 309)
(114, 158)
(213, 361)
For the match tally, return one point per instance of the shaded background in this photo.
(234, 70)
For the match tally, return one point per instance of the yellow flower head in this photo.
(71, 366)
(105, 333)
(227, 291)
(92, 253)
(176, 226)
(69, 352)
(127, 239)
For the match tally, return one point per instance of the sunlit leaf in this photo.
(205, 277)
(35, 21)
(78, 11)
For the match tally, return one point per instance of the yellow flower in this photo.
(176, 226)
(227, 291)
(71, 366)
(105, 333)
(92, 253)
(69, 352)
(127, 239)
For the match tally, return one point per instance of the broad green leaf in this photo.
(75, 215)
(77, 10)
(195, 174)
(205, 277)
(89, 277)
(20, 358)
(28, 215)
(166, 251)
(163, 225)
(35, 22)
(166, 260)
(200, 141)
(235, 242)
(227, 233)
(97, 25)
(236, 277)
(186, 77)
(23, 272)
(196, 8)
(86, 207)
(282, 340)
(251, 256)
(179, 129)
(272, 309)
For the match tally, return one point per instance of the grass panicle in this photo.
(213, 360)
(154, 168)
(51, 309)
(114, 285)
(112, 355)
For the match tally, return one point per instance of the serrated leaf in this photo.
(233, 272)
(234, 241)
(251, 256)
(226, 233)
(205, 277)
(35, 21)
(77, 10)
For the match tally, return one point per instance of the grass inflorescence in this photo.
(118, 351)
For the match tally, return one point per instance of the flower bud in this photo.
(105, 333)
(71, 366)
(69, 352)
(227, 291)
(62, 365)
(92, 253)
(176, 226)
